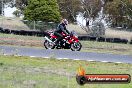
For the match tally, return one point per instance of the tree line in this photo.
(116, 12)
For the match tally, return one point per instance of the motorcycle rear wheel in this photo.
(76, 46)
(48, 45)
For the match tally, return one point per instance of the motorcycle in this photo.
(68, 42)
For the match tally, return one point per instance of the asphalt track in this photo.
(65, 54)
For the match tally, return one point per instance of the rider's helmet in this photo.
(65, 21)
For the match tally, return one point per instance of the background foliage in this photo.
(42, 10)
(119, 12)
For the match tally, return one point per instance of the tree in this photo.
(21, 4)
(17, 13)
(9, 2)
(119, 12)
(0, 8)
(90, 9)
(69, 9)
(42, 10)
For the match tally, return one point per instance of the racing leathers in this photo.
(61, 28)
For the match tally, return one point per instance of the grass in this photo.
(20, 37)
(11, 39)
(25, 72)
(115, 33)
(105, 47)
(12, 23)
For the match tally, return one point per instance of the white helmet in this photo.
(65, 21)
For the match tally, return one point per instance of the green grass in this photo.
(106, 47)
(25, 72)
(88, 46)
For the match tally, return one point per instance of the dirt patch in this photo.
(11, 41)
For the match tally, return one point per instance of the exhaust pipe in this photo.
(48, 39)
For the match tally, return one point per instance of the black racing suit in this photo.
(61, 28)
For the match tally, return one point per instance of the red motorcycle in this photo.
(68, 42)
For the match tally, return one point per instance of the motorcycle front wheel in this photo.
(48, 45)
(76, 46)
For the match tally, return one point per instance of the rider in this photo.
(61, 28)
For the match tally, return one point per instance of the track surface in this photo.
(65, 54)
